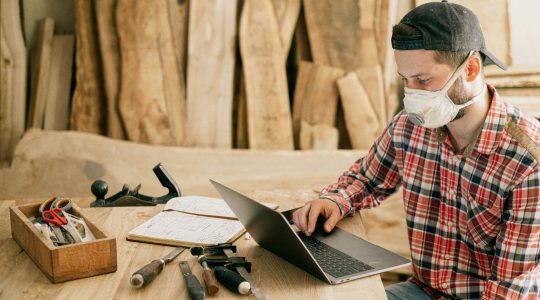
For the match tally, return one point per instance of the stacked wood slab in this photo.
(170, 80)
(13, 64)
(267, 74)
(216, 74)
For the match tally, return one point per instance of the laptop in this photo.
(334, 257)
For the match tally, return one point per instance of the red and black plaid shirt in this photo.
(473, 218)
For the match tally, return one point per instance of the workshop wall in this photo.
(269, 74)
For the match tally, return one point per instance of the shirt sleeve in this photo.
(369, 180)
(515, 268)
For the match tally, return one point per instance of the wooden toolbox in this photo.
(68, 262)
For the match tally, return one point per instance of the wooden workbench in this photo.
(65, 164)
(278, 279)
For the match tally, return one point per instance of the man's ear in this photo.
(474, 67)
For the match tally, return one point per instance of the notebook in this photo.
(191, 221)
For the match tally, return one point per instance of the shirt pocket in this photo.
(483, 222)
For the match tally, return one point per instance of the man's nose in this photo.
(412, 85)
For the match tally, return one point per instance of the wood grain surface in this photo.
(211, 62)
(360, 116)
(110, 56)
(88, 108)
(334, 32)
(59, 92)
(268, 111)
(14, 47)
(152, 94)
(40, 73)
(315, 96)
(286, 12)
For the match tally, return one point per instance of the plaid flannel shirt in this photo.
(473, 218)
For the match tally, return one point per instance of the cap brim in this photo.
(490, 59)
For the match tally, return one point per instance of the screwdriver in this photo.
(208, 276)
(146, 274)
(194, 287)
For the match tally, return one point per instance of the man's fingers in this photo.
(332, 221)
(312, 219)
(302, 216)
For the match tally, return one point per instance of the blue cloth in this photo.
(406, 291)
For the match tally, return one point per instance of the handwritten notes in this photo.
(200, 206)
(190, 221)
(180, 229)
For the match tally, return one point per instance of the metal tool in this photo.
(232, 280)
(63, 203)
(83, 230)
(233, 262)
(208, 276)
(146, 274)
(194, 287)
(55, 216)
(132, 197)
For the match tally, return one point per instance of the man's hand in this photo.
(305, 218)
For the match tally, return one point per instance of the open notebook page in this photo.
(204, 206)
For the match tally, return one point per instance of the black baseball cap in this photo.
(447, 27)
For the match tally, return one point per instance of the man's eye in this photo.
(423, 81)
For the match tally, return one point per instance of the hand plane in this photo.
(132, 197)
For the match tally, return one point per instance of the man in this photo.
(468, 163)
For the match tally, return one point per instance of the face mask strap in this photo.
(456, 74)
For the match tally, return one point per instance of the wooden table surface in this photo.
(20, 278)
(66, 163)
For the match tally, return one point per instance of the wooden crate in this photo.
(67, 262)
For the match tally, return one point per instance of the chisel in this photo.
(146, 274)
(194, 287)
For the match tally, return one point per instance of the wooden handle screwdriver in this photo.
(208, 276)
(146, 274)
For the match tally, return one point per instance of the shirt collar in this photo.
(488, 138)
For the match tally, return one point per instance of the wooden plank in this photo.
(179, 20)
(515, 81)
(60, 73)
(318, 137)
(372, 80)
(497, 34)
(512, 71)
(174, 84)
(110, 56)
(211, 62)
(360, 116)
(152, 99)
(301, 41)
(88, 107)
(368, 53)
(534, 91)
(269, 116)
(242, 139)
(40, 74)
(334, 32)
(389, 9)
(524, 33)
(10, 21)
(287, 12)
(528, 104)
(315, 96)
(6, 100)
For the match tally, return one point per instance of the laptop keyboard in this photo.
(333, 261)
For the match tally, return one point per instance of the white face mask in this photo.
(434, 109)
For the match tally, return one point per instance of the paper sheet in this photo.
(201, 206)
(204, 206)
(178, 228)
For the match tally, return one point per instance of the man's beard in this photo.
(458, 94)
